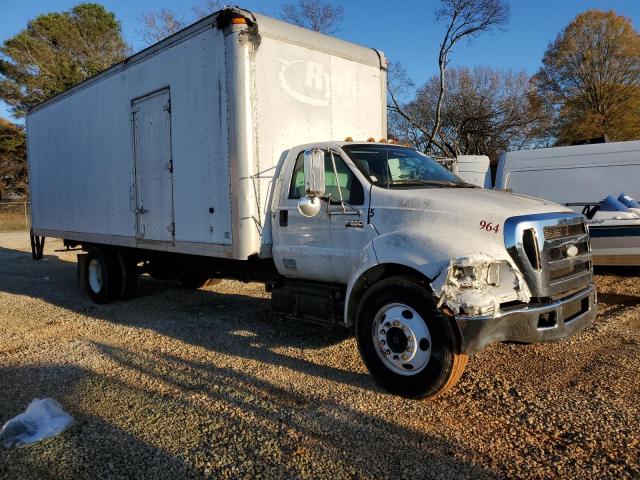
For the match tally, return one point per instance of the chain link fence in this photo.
(14, 216)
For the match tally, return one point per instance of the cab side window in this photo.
(352, 191)
(296, 190)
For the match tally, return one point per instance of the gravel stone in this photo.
(213, 384)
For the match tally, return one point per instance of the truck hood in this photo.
(437, 225)
(443, 231)
(469, 203)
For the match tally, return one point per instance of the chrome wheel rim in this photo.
(401, 338)
(95, 275)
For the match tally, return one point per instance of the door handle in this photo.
(284, 218)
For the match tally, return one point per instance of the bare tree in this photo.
(206, 7)
(313, 14)
(485, 112)
(157, 25)
(465, 19)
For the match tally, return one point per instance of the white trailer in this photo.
(580, 173)
(176, 148)
(474, 169)
(217, 153)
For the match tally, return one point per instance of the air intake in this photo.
(530, 245)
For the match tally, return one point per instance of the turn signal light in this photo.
(239, 21)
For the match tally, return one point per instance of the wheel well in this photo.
(373, 275)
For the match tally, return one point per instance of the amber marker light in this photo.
(239, 21)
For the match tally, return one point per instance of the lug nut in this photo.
(405, 329)
(387, 325)
(395, 357)
(396, 323)
(409, 349)
(404, 356)
(383, 332)
(387, 352)
(383, 343)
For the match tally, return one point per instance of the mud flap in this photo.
(82, 268)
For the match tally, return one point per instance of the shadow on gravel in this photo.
(93, 447)
(233, 324)
(620, 271)
(283, 431)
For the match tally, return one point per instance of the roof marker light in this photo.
(239, 21)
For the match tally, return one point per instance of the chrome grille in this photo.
(556, 267)
(552, 232)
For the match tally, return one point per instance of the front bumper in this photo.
(533, 323)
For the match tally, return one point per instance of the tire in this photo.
(407, 322)
(103, 275)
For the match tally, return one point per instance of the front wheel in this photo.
(407, 344)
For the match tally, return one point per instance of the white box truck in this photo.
(209, 155)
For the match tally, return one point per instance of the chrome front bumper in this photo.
(533, 323)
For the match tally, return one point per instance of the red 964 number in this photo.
(489, 226)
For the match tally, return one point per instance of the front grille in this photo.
(566, 271)
(559, 253)
(551, 250)
(553, 232)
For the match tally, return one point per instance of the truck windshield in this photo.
(390, 165)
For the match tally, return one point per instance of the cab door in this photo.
(326, 246)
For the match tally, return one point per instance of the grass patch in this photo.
(13, 219)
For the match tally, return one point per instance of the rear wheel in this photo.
(103, 275)
(407, 344)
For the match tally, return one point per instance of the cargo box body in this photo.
(177, 147)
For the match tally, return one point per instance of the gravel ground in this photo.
(212, 383)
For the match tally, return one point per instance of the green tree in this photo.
(57, 51)
(13, 159)
(590, 79)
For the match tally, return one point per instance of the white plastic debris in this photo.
(42, 419)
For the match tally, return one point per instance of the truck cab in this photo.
(433, 268)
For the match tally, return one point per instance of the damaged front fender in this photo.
(477, 284)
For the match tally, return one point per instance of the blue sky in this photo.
(407, 33)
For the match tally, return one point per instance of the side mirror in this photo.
(309, 206)
(314, 172)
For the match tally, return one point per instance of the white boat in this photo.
(614, 228)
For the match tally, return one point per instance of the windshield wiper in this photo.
(437, 183)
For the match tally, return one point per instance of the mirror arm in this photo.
(335, 173)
